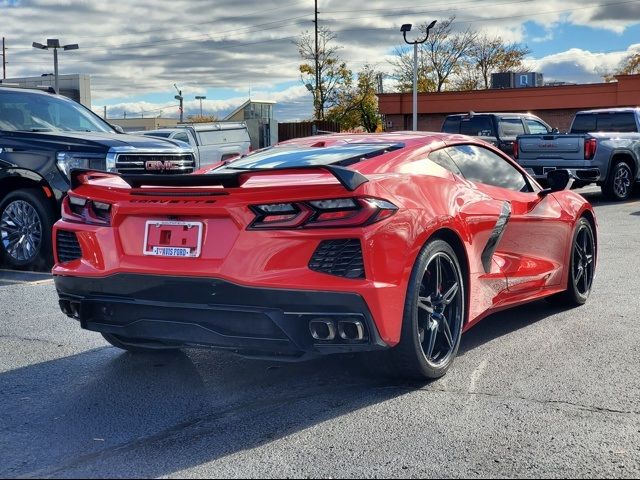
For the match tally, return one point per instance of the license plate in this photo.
(173, 239)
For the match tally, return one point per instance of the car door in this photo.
(532, 246)
(184, 137)
(510, 128)
(481, 126)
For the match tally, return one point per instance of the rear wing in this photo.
(349, 179)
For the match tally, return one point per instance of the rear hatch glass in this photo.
(291, 157)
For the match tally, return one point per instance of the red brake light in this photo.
(590, 146)
(516, 146)
(82, 210)
(341, 212)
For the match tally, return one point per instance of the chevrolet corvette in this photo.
(335, 244)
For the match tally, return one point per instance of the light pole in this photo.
(404, 29)
(180, 98)
(54, 44)
(200, 97)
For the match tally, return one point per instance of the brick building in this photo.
(555, 105)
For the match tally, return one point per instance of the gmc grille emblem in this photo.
(160, 166)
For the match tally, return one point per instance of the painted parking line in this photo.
(12, 277)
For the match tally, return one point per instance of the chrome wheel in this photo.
(20, 231)
(622, 181)
(440, 308)
(583, 260)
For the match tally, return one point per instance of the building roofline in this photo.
(248, 102)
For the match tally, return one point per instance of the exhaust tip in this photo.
(322, 330)
(351, 331)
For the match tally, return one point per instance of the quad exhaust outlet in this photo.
(327, 330)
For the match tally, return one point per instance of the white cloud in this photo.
(580, 66)
(137, 47)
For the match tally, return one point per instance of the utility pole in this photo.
(105, 112)
(319, 107)
(4, 60)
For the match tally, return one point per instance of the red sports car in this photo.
(323, 245)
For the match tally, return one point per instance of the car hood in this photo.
(95, 141)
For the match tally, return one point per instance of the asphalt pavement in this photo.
(536, 391)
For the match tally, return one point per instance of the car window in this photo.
(511, 127)
(535, 127)
(479, 164)
(182, 136)
(604, 122)
(617, 122)
(157, 134)
(584, 123)
(46, 113)
(451, 125)
(477, 126)
(443, 159)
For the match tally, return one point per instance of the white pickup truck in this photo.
(602, 147)
(211, 142)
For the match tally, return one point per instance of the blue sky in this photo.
(135, 51)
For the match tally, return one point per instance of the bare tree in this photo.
(445, 48)
(492, 54)
(332, 72)
(467, 76)
(403, 71)
(629, 66)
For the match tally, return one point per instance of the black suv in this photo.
(499, 129)
(42, 137)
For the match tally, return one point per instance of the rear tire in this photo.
(434, 315)
(582, 267)
(620, 183)
(137, 345)
(26, 223)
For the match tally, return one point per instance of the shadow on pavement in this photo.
(106, 413)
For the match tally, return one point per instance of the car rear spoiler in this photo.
(349, 179)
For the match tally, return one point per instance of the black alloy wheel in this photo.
(434, 314)
(25, 230)
(439, 309)
(582, 267)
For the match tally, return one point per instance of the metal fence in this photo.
(287, 131)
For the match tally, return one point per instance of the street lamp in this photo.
(200, 97)
(404, 29)
(54, 44)
(180, 98)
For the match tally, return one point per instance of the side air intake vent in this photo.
(68, 246)
(342, 258)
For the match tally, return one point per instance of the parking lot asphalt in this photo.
(536, 391)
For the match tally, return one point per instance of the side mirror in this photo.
(555, 130)
(118, 128)
(558, 180)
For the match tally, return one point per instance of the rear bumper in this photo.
(581, 170)
(212, 313)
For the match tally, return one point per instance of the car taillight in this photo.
(333, 213)
(590, 146)
(83, 210)
(516, 145)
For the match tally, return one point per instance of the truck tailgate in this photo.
(568, 147)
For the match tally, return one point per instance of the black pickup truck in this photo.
(499, 129)
(42, 137)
